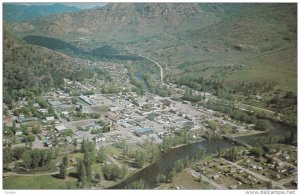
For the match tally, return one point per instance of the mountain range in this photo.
(192, 40)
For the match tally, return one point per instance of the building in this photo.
(19, 132)
(100, 138)
(94, 127)
(143, 131)
(114, 109)
(55, 103)
(60, 128)
(69, 139)
(43, 110)
(50, 118)
(86, 99)
(65, 113)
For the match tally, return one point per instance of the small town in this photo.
(164, 96)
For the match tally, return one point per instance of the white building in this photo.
(60, 127)
(50, 118)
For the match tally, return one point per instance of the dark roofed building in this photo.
(143, 131)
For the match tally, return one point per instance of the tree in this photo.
(27, 159)
(263, 125)
(269, 185)
(36, 129)
(171, 175)
(137, 185)
(29, 138)
(140, 158)
(123, 172)
(125, 150)
(178, 166)
(81, 172)
(7, 155)
(257, 151)
(75, 144)
(63, 167)
(88, 169)
(101, 156)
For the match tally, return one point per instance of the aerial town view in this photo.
(186, 96)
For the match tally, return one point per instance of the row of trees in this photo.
(180, 137)
(84, 167)
(189, 96)
(104, 129)
(149, 154)
(235, 113)
(37, 158)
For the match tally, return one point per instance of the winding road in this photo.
(157, 64)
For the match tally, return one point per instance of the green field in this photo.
(38, 182)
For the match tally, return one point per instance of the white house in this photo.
(50, 118)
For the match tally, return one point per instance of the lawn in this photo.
(37, 182)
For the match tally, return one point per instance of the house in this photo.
(36, 105)
(68, 139)
(253, 166)
(50, 118)
(19, 132)
(65, 113)
(94, 127)
(258, 97)
(215, 177)
(86, 99)
(114, 109)
(60, 128)
(42, 110)
(55, 103)
(143, 131)
(100, 138)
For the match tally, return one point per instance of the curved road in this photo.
(157, 64)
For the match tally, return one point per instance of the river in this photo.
(166, 162)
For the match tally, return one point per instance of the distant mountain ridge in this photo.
(14, 12)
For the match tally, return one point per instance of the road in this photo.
(204, 178)
(157, 64)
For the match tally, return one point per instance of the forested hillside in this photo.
(29, 69)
